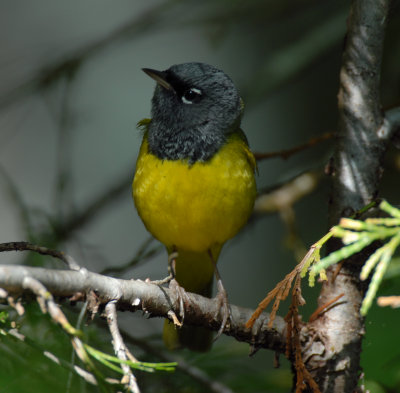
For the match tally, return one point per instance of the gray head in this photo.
(194, 108)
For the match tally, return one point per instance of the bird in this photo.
(194, 185)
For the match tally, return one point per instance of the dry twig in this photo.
(139, 295)
(25, 246)
(120, 349)
(285, 154)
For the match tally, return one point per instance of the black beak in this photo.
(159, 77)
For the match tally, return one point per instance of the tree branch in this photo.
(25, 246)
(334, 339)
(360, 144)
(152, 299)
(120, 349)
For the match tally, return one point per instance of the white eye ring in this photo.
(194, 90)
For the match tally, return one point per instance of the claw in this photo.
(178, 291)
(165, 280)
(181, 296)
(224, 309)
(174, 318)
(222, 297)
(171, 261)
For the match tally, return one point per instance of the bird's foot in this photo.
(224, 308)
(165, 280)
(181, 298)
(171, 270)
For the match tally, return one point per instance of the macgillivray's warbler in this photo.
(194, 185)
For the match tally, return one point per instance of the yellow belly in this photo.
(195, 207)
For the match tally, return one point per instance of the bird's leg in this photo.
(178, 290)
(171, 269)
(222, 298)
(171, 263)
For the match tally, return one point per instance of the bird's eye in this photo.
(191, 96)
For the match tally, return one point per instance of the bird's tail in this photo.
(194, 272)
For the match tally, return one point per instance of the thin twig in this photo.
(142, 255)
(72, 361)
(286, 195)
(120, 349)
(285, 154)
(81, 217)
(324, 307)
(87, 376)
(17, 200)
(25, 246)
(47, 303)
(190, 370)
(51, 73)
(392, 301)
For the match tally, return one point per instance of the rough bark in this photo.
(154, 300)
(333, 343)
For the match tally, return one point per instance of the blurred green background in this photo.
(71, 93)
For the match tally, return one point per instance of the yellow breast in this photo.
(194, 207)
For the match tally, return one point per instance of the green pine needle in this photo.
(356, 235)
(109, 360)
